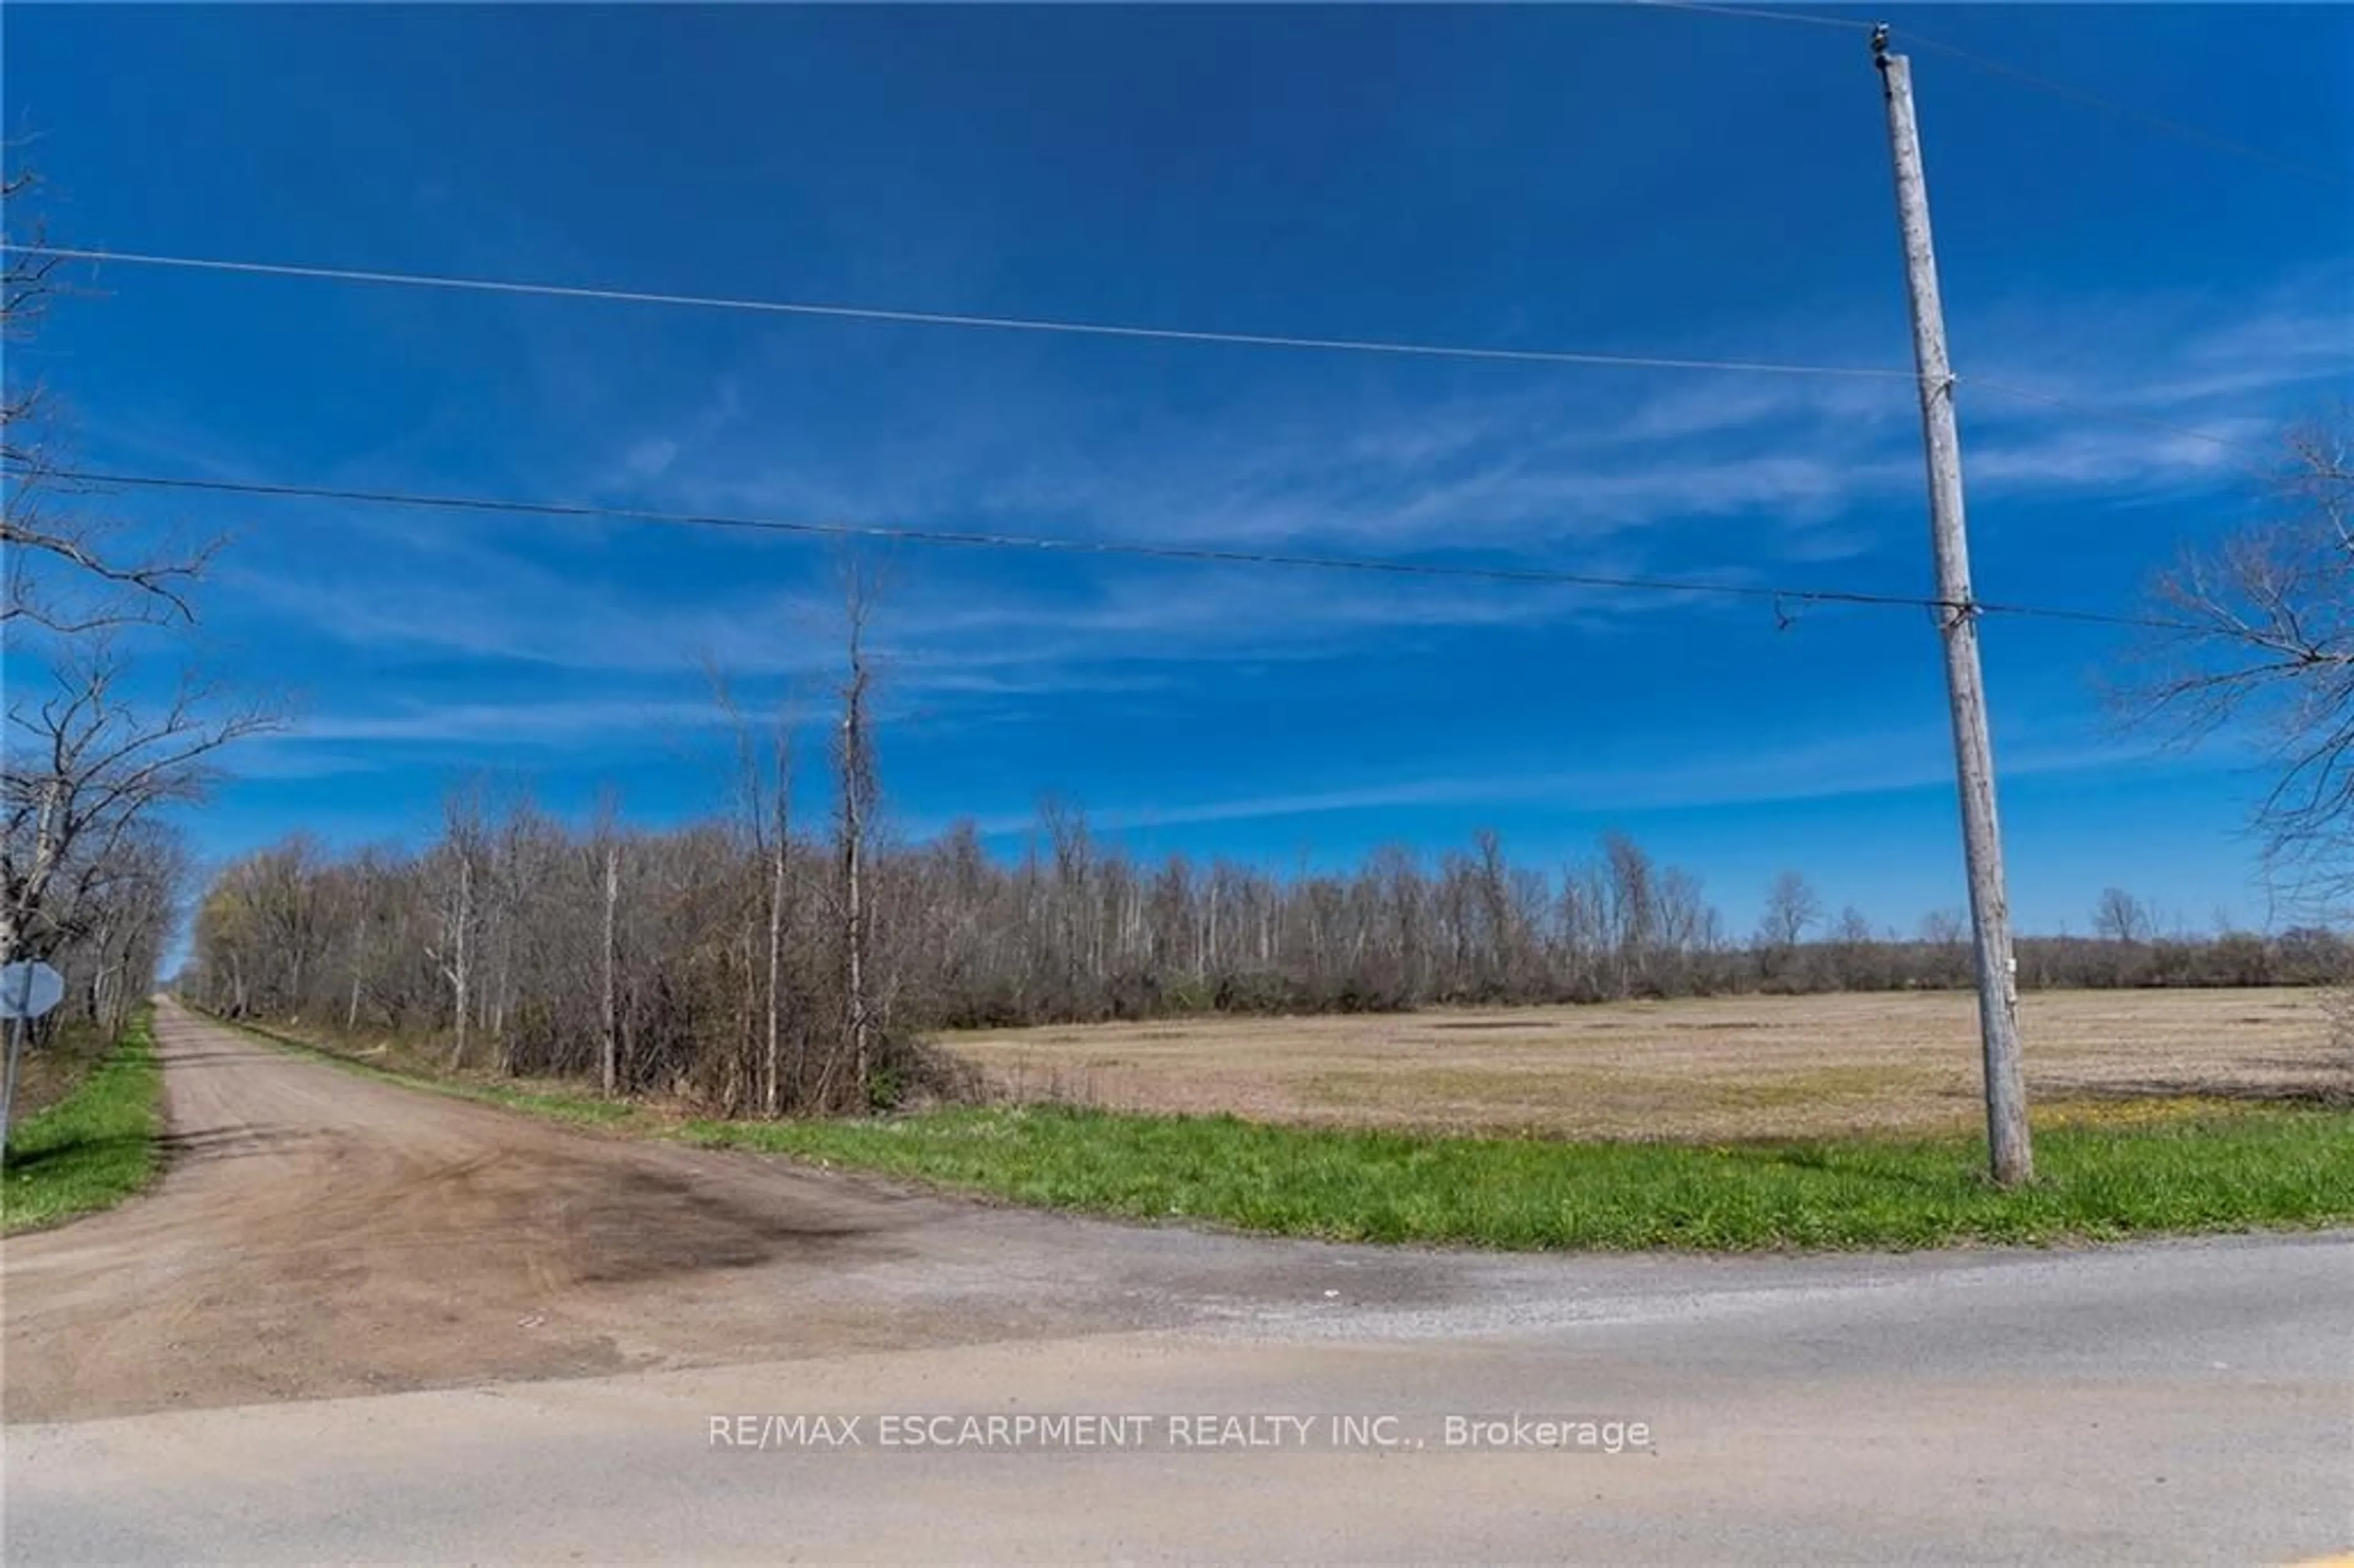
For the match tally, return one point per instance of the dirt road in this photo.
(208, 1374)
(320, 1233)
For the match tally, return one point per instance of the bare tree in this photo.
(1632, 911)
(84, 769)
(124, 922)
(1855, 961)
(766, 797)
(359, 914)
(456, 940)
(855, 794)
(2119, 917)
(2261, 631)
(1791, 907)
(606, 848)
(778, 850)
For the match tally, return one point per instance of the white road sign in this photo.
(29, 990)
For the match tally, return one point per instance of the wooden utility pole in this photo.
(2006, 1086)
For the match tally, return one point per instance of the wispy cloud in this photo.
(523, 612)
(2189, 356)
(1562, 457)
(375, 739)
(1737, 480)
(1832, 768)
(512, 723)
(946, 625)
(2113, 458)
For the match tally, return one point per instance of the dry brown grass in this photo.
(1714, 1069)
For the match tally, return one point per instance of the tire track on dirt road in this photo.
(319, 1233)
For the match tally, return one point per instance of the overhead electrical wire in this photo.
(1063, 327)
(1207, 555)
(2113, 414)
(1757, 14)
(2180, 129)
(1905, 36)
(1040, 325)
(955, 319)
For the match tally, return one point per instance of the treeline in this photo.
(104, 922)
(716, 961)
(94, 878)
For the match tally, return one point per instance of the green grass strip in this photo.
(94, 1149)
(2225, 1171)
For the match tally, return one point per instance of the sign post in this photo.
(27, 989)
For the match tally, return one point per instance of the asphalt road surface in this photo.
(358, 1322)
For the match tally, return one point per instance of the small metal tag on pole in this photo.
(27, 989)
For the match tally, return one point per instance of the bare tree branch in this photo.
(2267, 639)
(81, 773)
(70, 570)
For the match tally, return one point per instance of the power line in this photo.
(1755, 14)
(2084, 617)
(1535, 575)
(2121, 416)
(944, 318)
(1017, 324)
(1169, 334)
(2180, 129)
(1998, 68)
(2165, 125)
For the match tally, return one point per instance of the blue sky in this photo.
(1581, 177)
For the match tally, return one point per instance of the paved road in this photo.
(203, 1375)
